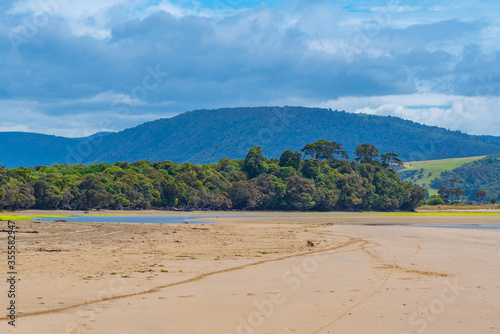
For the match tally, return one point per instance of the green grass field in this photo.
(28, 217)
(430, 169)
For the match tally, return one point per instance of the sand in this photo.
(257, 275)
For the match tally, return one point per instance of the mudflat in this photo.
(266, 272)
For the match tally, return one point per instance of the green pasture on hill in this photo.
(431, 169)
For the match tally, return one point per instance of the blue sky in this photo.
(77, 67)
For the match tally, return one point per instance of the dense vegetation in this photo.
(206, 136)
(321, 182)
(470, 180)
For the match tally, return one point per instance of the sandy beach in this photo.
(359, 273)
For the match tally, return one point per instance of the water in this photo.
(485, 227)
(189, 219)
(133, 219)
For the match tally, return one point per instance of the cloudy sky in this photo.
(76, 67)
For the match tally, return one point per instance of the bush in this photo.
(493, 201)
(435, 200)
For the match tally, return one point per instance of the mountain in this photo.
(206, 136)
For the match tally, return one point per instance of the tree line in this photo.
(320, 177)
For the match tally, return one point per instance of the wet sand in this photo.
(258, 275)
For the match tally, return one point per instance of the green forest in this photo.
(320, 177)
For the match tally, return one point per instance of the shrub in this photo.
(435, 200)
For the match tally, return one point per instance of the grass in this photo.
(434, 168)
(29, 217)
(459, 207)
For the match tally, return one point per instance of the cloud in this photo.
(474, 115)
(88, 58)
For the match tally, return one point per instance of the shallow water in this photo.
(487, 227)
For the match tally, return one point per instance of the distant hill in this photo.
(206, 136)
(31, 149)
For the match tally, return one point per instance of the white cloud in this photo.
(81, 124)
(106, 98)
(95, 17)
(474, 115)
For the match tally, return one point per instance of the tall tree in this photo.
(366, 153)
(480, 194)
(290, 159)
(324, 150)
(255, 163)
(390, 158)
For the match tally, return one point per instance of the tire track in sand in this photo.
(352, 241)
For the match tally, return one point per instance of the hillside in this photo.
(481, 174)
(31, 149)
(423, 172)
(206, 136)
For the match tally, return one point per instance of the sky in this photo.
(76, 67)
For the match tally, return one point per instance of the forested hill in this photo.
(31, 149)
(206, 136)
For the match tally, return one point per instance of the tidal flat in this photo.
(259, 272)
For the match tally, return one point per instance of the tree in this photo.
(14, 194)
(326, 197)
(366, 153)
(444, 193)
(324, 150)
(245, 196)
(480, 194)
(390, 158)
(416, 198)
(299, 193)
(93, 194)
(456, 191)
(254, 164)
(290, 159)
(47, 196)
(311, 168)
